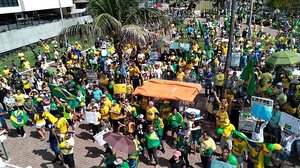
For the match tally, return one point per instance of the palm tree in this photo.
(124, 20)
(288, 5)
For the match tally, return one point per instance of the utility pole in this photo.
(62, 24)
(231, 38)
(250, 19)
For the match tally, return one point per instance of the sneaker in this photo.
(24, 135)
(18, 135)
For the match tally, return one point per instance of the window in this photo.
(8, 3)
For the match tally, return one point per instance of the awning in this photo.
(172, 90)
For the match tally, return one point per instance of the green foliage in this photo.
(288, 5)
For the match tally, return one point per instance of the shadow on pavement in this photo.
(84, 127)
(34, 134)
(93, 152)
(45, 154)
(163, 162)
(84, 136)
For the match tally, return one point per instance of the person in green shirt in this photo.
(183, 146)
(152, 142)
(175, 121)
(159, 128)
(108, 158)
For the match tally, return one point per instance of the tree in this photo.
(288, 5)
(121, 19)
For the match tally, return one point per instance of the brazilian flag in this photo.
(65, 95)
(18, 118)
(248, 76)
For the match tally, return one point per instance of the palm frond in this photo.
(86, 29)
(145, 16)
(135, 34)
(107, 24)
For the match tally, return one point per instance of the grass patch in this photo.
(29, 55)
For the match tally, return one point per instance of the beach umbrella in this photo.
(120, 142)
(283, 58)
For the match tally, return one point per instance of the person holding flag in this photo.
(152, 142)
(133, 158)
(248, 76)
(18, 119)
(159, 128)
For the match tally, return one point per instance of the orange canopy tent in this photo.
(166, 89)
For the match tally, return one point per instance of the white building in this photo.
(24, 22)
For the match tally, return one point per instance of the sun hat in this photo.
(177, 153)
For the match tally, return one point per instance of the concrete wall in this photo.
(17, 38)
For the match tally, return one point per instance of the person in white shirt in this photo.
(258, 130)
(286, 142)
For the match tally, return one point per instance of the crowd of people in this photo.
(152, 122)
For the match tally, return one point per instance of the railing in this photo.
(34, 21)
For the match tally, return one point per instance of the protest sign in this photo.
(219, 164)
(261, 108)
(99, 137)
(174, 45)
(91, 117)
(153, 55)
(119, 88)
(185, 46)
(235, 59)
(289, 123)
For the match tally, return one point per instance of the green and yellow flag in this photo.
(249, 77)
(65, 95)
(18, 118)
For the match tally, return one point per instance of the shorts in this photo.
(40, 125)
(71, 122)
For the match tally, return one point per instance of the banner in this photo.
(289, 123)
(235, 59)
(99, 137)
(91, 117)
(119, 88)
(219, 164)
(185, 46)
(154, 55)
(174, 45)
(261, 108)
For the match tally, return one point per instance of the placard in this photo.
(185, 46)
(153, 55)
(91, 117)
(261, 108)
(119, 88)
(99, 137)
(219, 164)
(174, 45)
(235, 59)
(289, 123)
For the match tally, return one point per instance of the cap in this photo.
(93, 100)
(177, 153)
(141, 116)
(104, 95)
(26, 97)
(279, 84)
(118, 161)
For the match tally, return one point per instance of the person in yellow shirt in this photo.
(78, 46)
(96, 126)
(222, 117)
(26, 64)
(256, 157)
(207, 147)
(46, 50)
(219, 82)
(19, 97)
(104, 80)
(67, 150)
(40, 124)
(106, 101)
(104, 111)
(6, 71)
(62, 126)
(129, 87)
(240, 150)
(180, 74)
(226, 139)
(26, 86)
(150, 112)
(115, 112)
